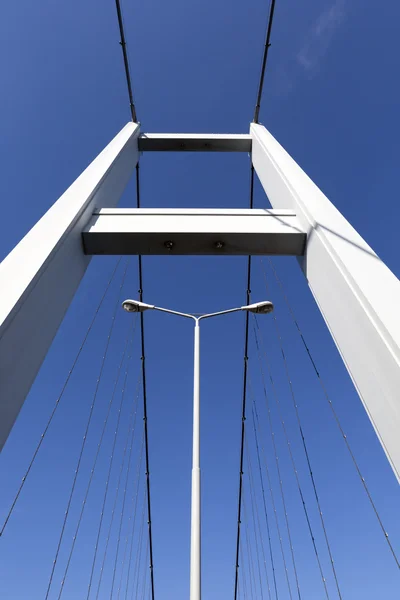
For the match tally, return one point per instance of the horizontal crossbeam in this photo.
(194, 231)
(194, 142)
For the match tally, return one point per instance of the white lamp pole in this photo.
(195, 533)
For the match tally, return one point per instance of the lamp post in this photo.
(195, 534)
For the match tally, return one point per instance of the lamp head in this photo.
(260, 308)
(135, 306)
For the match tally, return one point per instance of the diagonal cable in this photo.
(255, 512)
(335, 415)
(123, 508)
(132, 518)
(126, 62)
(83, 445)
(290, 454)
(64, 387)
(264, 60)
(244, 397)
(131, 428)
(144, 387)
(292, 461)
(264, 502)
(131, 331)
(253, 516)
(278, 529)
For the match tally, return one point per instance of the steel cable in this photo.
(64, 387)
(131, 429)
(291, 458)
(123, 508)
(131, 331)
(125, 57)
(264, 503)
(244, 394)
(144, 387)
(83, 445)
(258, 528)
(252, 501)
(264, 61)
(327, 397)
(255, 412)
(132, 517)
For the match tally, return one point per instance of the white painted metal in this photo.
(195, 142)
(195, 534)
(359, 297)
(194, 231)
(40, 276)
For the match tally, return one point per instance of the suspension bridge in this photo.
(97, 441)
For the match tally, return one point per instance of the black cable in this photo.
(264, 60)
(258, 528)
(132, 517)
(107, 484)
(89, 420)
(293, 463)
(133, 531)
(146, 435)
(278, 529)
(327, 397)
(265, 505)
(131, 428)
(278, 469)
(53, 412)
(243, 572)
(126, 63)
(314, 486)
(131, 330)
(249, 552)
(123, 507)
(252, 502)
(245, 357)
(139, 550)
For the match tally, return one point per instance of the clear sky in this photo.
(331, 98)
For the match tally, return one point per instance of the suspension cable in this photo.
(131, 429)
(245, 359)
(264, 500)
(335, 415)
(126, 62)
(249, 552)
(123, 506)
(89, 420)
(146, 435)
(145, 573)
(64, 387)
(278, 529)
(292, 460)
(132, 518)
(277, 462)
(106, 488)
(139, 549)
(264, 60)
(243, 571)
(256, 527)
(291, 454)
(131, 331)
(130, 561)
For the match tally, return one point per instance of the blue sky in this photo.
(331, 98)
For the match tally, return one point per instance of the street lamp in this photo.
(261, 308)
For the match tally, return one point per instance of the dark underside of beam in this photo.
(292, 244)
(155, 142)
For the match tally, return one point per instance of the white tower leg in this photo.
(40, 276)
(359, 297)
